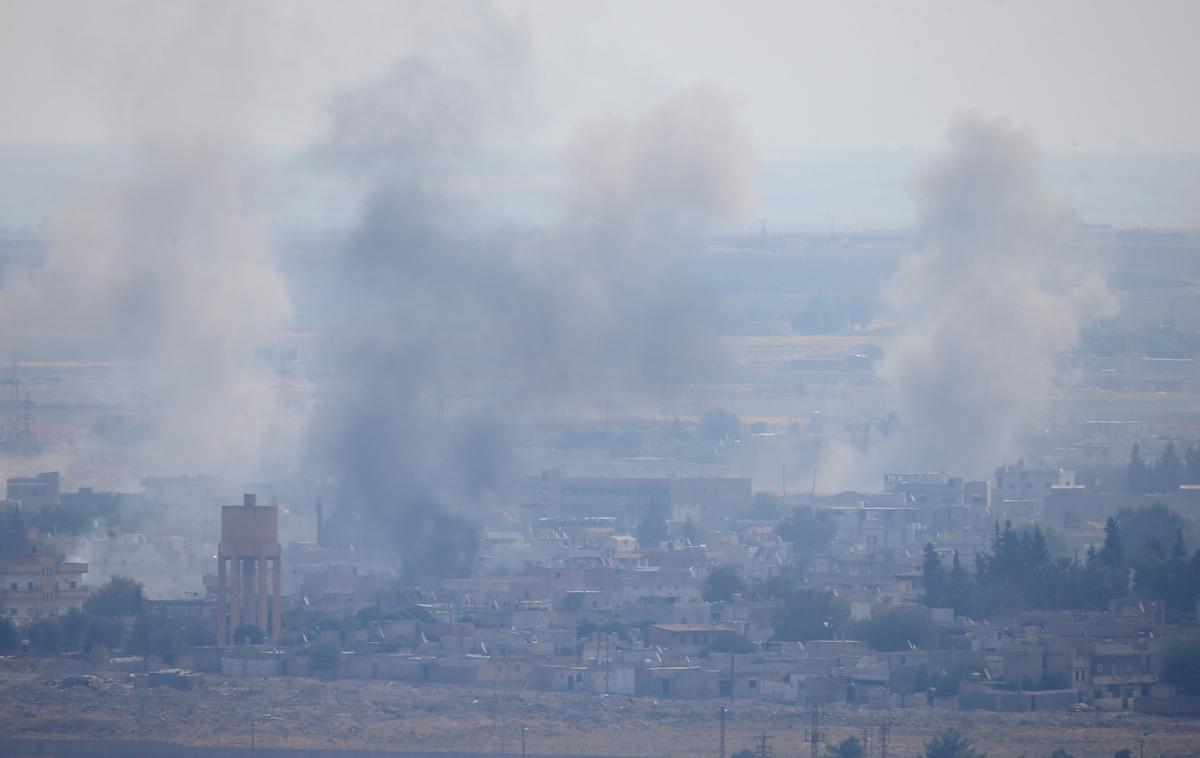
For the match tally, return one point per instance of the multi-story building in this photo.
(32, 492)
(1021, 483)
(36, 585)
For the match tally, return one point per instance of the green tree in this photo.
(1181, 666)
(14, 537)
(120, 597)
(9, 639)
(1062, 753)
(46, 636)
(809, 532)
(169, 638)
(950, 743)
(722, 583)
(811, 615)
(1168, 470)
(1155, 521)
(1112, 554)
(847, 748)
(1191, 465)
(898, 628)
(653, 527)
(935, 579)
(1137, 476)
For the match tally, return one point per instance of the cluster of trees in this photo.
(1019, 572)
(810, 532)
(811, 615)
(102, 624)
(1164, 474)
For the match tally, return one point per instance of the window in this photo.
(12, 585)
(72, 585)
(12, 611)
(30, 587)
(753, 684)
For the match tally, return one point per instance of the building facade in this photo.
(40, 585)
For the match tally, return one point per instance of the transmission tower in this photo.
(884, 727)
(813, 735)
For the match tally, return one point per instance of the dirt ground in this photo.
(348, 713)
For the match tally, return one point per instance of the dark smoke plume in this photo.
(457, 317)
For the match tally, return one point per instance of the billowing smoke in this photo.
(986, 306)
(161, 264)
(459, 318)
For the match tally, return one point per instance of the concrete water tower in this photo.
(249, 539)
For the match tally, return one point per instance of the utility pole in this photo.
(813, 735)
(721, 749)
(884, 727)
(764, 750)
(524, 729)
(732, 678)
(607, 660)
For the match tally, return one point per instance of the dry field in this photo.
(312, 713)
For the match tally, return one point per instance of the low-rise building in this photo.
(36, 585)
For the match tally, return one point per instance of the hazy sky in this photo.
(1082, 74)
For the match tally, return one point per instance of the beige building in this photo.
(37, 585)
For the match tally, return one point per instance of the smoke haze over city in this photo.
(829, 359)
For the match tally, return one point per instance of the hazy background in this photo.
(840, 97)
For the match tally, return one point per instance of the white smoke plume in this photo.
(163, 265)
(985, 307)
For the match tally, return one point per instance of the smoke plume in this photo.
(460, 318)
(162, 265)
(984, 309)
